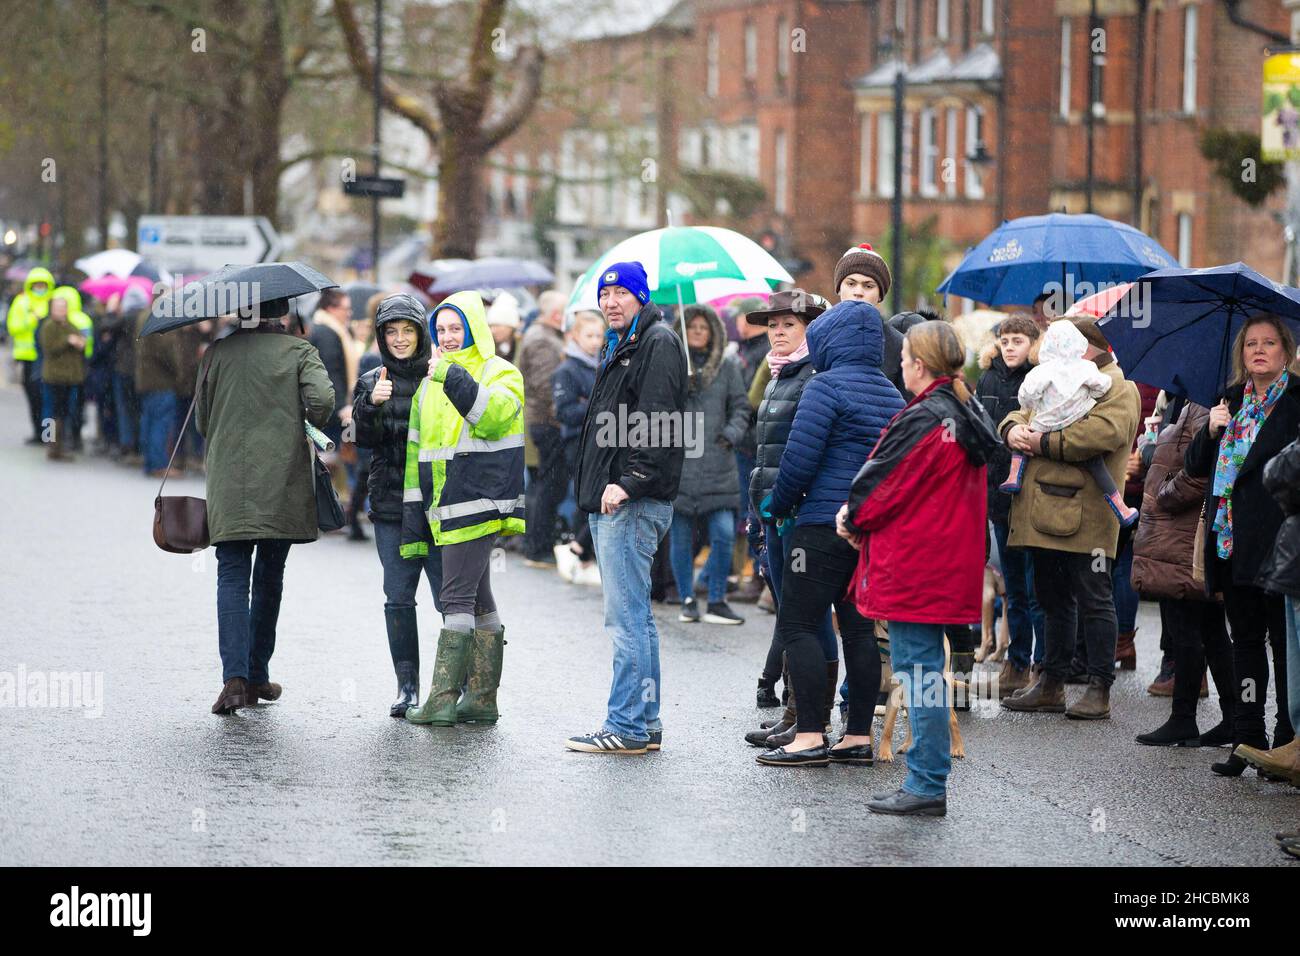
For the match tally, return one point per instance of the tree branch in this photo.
(527, 86)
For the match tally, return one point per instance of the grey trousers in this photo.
(467, 582)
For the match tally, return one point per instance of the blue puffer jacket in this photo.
(840, 416)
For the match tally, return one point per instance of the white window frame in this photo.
(987, 24)
(942, 19)
(1185, 239)
(865, 157)
(909, 154)
(1191, 23)
(1067, 66)
(780, 174)
(950, 151)
(783, 47)
(711, 65)
(974, 178)
(929, 185)
(885, 184)
(751, 50)
(900, 16)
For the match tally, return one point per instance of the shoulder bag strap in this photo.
(181, 434)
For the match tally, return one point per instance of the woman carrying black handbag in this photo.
(381, 411)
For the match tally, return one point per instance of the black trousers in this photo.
(1074, 592)
(1198, 636)
(546, 492)
(819, 565)
(1256, 618)
(32, 389)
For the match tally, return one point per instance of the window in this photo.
(986, 17)
(885, 154)
(900, 15)
(742, 149)
(941, 19)
(1098, 61)
(520, 184)
(929, 153)
(783, 47)
(779, 174)
(974, 136)
(1189, 59)
(1065, 68)
(864, 155)
(908, 127)
(711, 63)
(950, 153)
(751, 50)
(1185, 238)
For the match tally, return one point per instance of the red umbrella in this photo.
(1099, 303)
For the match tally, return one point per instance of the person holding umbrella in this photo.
(1257, 416)
(381, 412)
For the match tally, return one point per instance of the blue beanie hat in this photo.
(630, 275)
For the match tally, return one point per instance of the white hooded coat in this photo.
(1064, 386)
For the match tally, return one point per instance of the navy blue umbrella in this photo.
(1175, 328)
(490, 274)
(1026, 257)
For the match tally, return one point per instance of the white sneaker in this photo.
(566, 562)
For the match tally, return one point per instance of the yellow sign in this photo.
(1280, 135)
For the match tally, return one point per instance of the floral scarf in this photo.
(1235, 445)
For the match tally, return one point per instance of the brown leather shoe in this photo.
(1045, 696)
(267, 690)
(1094, 704)
(1280, 761)
(232, 697)
(1011, 679)
(1126, 655)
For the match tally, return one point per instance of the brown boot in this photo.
(55, 452)
(267, 690)
(233, 696)
(1280, 761)
(1094, 704)
(1011, 679)
(1044, 696)
(1126, 655)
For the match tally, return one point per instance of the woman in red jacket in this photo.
(919, 506)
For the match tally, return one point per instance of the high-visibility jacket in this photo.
(26, 312)
(465, 444)
(79, 320)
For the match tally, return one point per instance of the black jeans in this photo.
(1198, 636)
(1075, 594)
(1256, 617)
(546, 492)
(246, 628)
(818, 567)
(32, 389)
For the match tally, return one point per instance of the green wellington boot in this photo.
(479, 705)
(449, 668)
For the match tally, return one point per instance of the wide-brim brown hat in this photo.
(796, 302)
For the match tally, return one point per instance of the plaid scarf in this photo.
(1235, 445)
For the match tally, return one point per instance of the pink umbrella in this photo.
(105, 287)
(1099, 303)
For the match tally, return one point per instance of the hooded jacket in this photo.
(920, 499)
(719, 411)
(571, 390)
(840, 416)
(465, 444)
(26, 312)
(61, 362)
(384, 429)
(631, 435)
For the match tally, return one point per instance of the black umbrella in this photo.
(260, 290)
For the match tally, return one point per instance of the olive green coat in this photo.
(1059, 506)
(259, 388)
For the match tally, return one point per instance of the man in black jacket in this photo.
(634, 439)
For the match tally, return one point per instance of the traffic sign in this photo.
(379, 186)
(206, 243)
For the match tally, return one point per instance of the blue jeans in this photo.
(1121, 585)
(246, 628)
(625, 544)
(1024, 616)
(1293, 659)
(59, 401)
(157, 420)
(917, 654)
(776, 555)
(722, 535)
(124, 401)
(402, 575)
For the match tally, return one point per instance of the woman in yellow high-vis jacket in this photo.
(464, 488)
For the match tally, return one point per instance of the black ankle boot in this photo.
(1174, 732)
(1234, 766)
(1220, 735)
(767, 694)
(404, 646)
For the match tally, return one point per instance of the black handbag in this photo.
(329, 512)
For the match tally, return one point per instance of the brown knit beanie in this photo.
(863, 260)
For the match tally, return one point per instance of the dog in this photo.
(994, 588)
(884, 744)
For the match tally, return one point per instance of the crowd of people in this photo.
(845, 469)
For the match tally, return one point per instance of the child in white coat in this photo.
(1061, 389)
